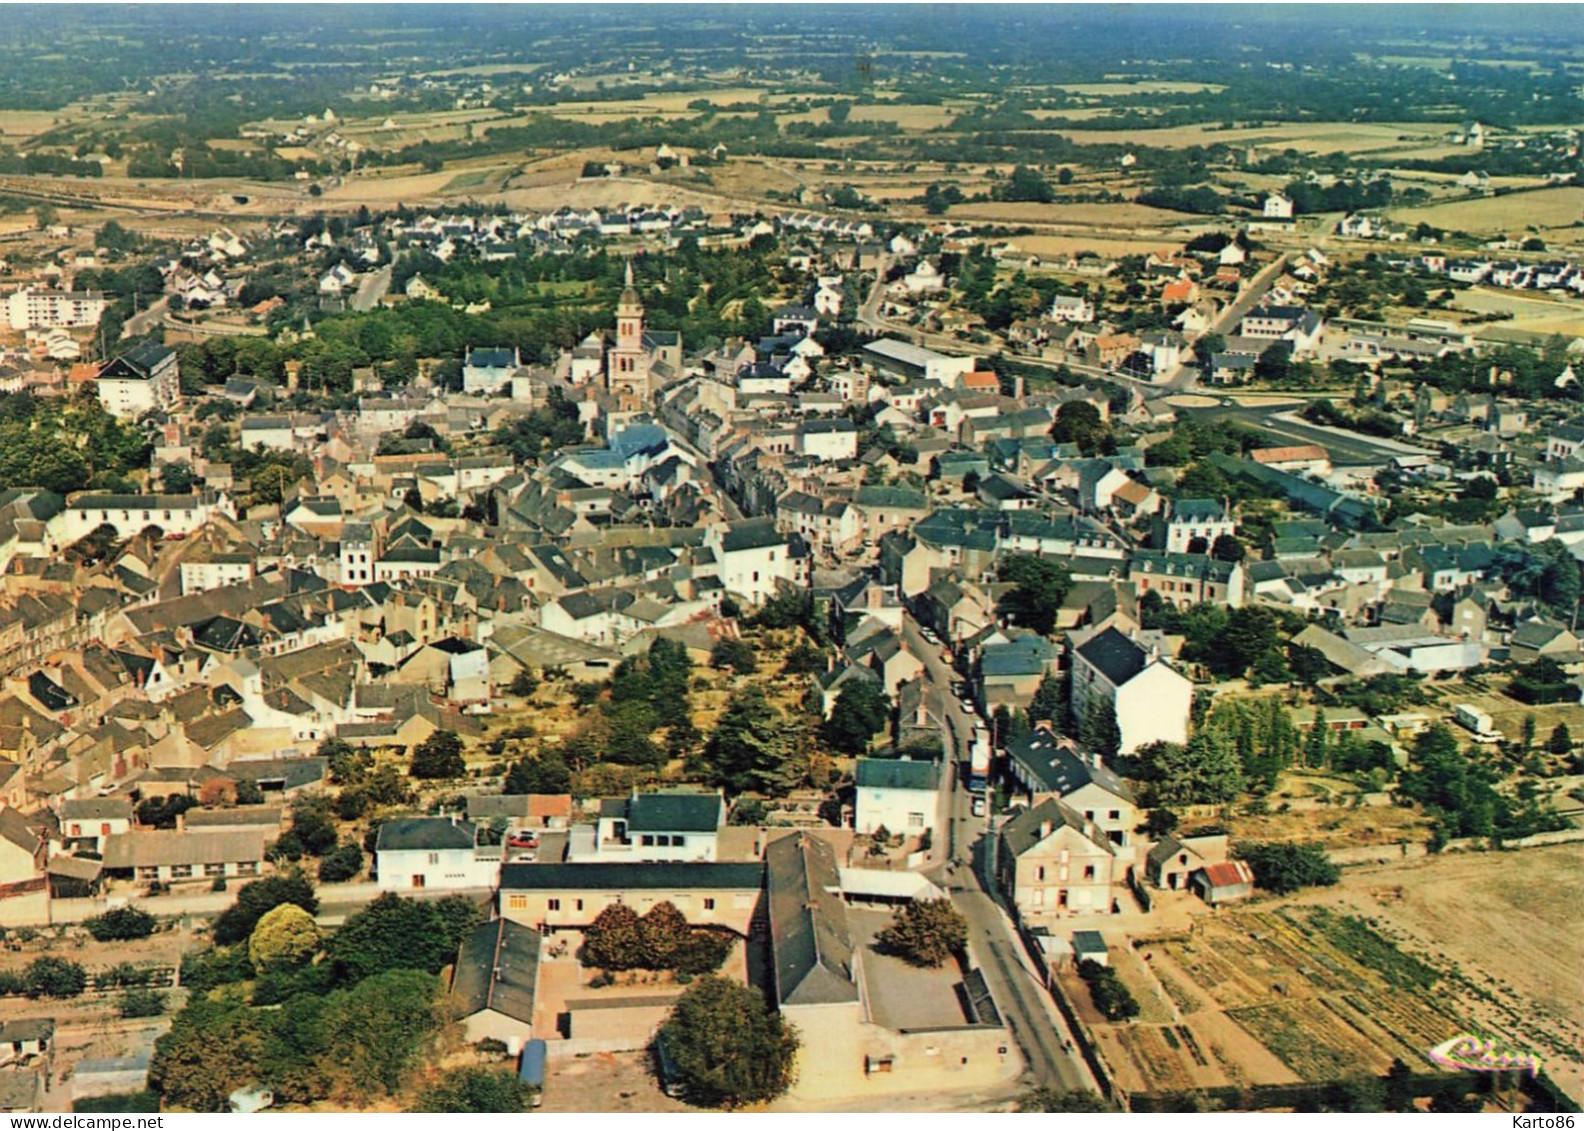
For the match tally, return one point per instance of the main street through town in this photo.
(1052, 1059)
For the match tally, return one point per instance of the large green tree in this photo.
(236, 923)
(750, 749)
(926, 932)
(729, 1048)
(212, 1049)
(396, 933)
(861, 711)
(1041, 585)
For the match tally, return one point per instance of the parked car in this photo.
(523, 839)
(979, 807)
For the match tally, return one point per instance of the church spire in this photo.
(629, 297)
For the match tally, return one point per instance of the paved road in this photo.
(1280, 423)
(145, 320)
(371, 289)
(1023, 1001)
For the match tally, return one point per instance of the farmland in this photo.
(1339, 981)
(1274, 996)
(1547, 208)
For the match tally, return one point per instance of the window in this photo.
(181, 871)
(1089, 871)
(1114, 815)
(148, 872)
(679, 842)
(434, 858)
(247, 868)
(1039, 873)
(577, 904)
(214, 869)
(709, 903)
(553, 904)
(647, 841)
(517, 903)
(915, 820)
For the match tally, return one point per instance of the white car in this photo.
(928, 635)
(978, 807)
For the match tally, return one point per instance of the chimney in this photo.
(921, 716)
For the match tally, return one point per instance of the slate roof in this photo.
(1022, 832)
(897, 773)
(1115, 656)
(674, 812)
(424, 834)
(811, 944)
(168, 847)
(673, 876)
(1058, 769)
(497, 968)
(754, 534)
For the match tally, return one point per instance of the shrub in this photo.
(12, 983)
(1283, 868)
(341, 865)
(121, 923)
(48, 976)
(1107, 992)
(141, 1003)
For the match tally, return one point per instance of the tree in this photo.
(749, 750)
(313, 826)
(341, 864)
(395, 933)
(925, 932)
(212, 1049)
(524, 683)
(1079, 422)
(1049, 701)
(382, 1027)
(1099, 730)
(547, 773)
(348, 764)
(1561, 741)
(1025, 184)
(862, 709)
(286, 937)
(177, 478)
(236, 923)
(1041, 587)
(438, 756)
(664, 934)
(121, 923)
(1204, 771)
(1113, 999)
(1308, 664)
(738, 655)
(615, 940)
(1227, 548)
(473, 1089)
(728, 1048)
(48, 976)
(1284, 868)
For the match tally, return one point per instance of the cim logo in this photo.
(1483, 1054)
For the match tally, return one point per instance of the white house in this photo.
(1072, 308)
(751, 558)
(144, 378)
(898, 795)
(649, 827)
(1152, 700)
(31, 309)
(828, 439)
(129, 514)
(1278, 207)
(486, 371)
(434, 852)
(1192, 521)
